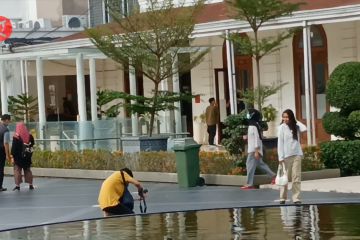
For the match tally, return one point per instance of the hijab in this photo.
(254, 119)
(22, 132)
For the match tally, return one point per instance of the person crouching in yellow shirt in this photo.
(112, 191)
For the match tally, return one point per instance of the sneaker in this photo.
(3, 189)
(247, 187)
(31, 187)
(282, 202)
(273, 181)
(297, 202)
(16, 188)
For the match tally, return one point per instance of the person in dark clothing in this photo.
(212, 118)
(4, 146)
(21, 153)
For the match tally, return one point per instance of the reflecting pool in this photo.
(285, 222)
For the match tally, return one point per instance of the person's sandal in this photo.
(16, 188)
(282, 202)
(297, 202)
(3, 189)
(31, 187)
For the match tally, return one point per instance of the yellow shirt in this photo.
(112, 189)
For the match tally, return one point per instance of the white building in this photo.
(75, 67)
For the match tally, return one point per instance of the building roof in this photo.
(218, 12)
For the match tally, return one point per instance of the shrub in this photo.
(216, 162)
(235, 129)
(338, 125)
(343, 92)
(344, 87)
(343, 155)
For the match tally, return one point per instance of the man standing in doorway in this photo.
(212, 118)
(4, 147)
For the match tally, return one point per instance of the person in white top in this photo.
(290, 153)
(255, 150)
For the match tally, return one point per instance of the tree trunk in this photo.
(257, 60)
(153, 111)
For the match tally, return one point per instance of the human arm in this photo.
(301, 126)
(7, 145)
(255, 141)
(280, 145)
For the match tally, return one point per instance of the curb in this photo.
(210, 179)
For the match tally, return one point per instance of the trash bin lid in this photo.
(184, 143)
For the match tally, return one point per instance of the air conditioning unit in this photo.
(26, 24)
(42, 23)
(75, 21)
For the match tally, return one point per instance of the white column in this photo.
(306, 79)
(230, 73)
(233, 101)
(80, 81)
(22, 76)
(176, 89)
(93, 96)
(134, 116)
(4, 103)
(40, 90)
(312, 104)
(26, 79)
(165, 124)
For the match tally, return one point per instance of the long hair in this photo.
(292, 123)
(254, 120)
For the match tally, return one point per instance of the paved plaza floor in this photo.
(58, 200)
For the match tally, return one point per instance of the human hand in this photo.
(257, 155)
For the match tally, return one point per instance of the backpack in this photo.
(27, 150)
(127, 199)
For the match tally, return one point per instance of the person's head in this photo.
(254, 115)
(212, 101)
(5, 118)
(288, 118)
(128, 171)
(22, 131)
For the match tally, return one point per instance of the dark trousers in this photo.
(212, 132)
(117, 210)
(2, 165)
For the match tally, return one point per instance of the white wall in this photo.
(23, 9)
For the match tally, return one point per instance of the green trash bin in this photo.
(187, 161)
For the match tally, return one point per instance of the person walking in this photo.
(21, 154)
(290, 154)
(112, 191)
(4, 147)
(212, 118)
(255, 150)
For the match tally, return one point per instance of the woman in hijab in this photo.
(21, 152)
(255, 150)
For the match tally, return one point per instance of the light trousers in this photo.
(293, 168)
(252, 164)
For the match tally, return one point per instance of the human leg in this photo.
(2, 165)
(263, 166)
(296, 179)
(117, 210)
(28, 177)
(250, 169)
(284, 189)
(212, 133)
(17, 175)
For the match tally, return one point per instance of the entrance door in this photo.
(222, 98)
(320, 77)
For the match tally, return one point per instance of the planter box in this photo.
(210, 179)
(144, 144)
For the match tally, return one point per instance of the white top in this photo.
(254, 141)
(287, 146)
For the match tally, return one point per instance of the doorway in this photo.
(319, 59)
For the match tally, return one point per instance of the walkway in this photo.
(56, 199)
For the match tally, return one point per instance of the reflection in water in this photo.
(285, 222)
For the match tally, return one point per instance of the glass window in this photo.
(316, 38)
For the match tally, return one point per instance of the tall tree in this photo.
(23, 107)
(150, 41)
(257, 13)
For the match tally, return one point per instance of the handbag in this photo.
(127, 199)
(281, 176)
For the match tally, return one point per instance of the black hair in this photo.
(211, 100)
(292, 123)
(128, 171)
(255, 117)
(5, 117)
